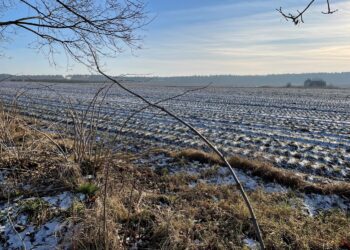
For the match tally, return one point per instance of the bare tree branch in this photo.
(127, 120)
(329, 10)
(200, 135)
(299, 18)
(108, 25)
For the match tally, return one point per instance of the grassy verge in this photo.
(154, 210)
(160, 211)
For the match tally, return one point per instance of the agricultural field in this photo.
(284, 141)
(305, 130)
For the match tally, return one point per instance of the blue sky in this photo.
(202, 37)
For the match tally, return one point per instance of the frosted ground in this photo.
(305, 130)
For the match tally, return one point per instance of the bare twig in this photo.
(62, 24)
(298, 18)
(329, 10)
(133, 114)
(196, 132)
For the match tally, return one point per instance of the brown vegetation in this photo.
(267, 172)
(165, 213)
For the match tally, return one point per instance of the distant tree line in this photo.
(292, 80)
(315, 83)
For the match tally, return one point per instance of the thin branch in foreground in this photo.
(127, 120)
(202, 137)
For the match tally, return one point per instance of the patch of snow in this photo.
(247, 181)
(251, 244)
(316, 202)
(192, 184)
(46, 236)
(223, 171)
(42, 237)
(31, 236)
(274, 188)
(63, 201)
(2, 176)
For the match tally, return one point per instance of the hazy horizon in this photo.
(190, 75)
(273, 80)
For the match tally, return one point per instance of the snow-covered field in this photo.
(306, 130)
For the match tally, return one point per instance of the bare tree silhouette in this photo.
(297, 18)
(108, 25)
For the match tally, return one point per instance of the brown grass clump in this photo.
(69, 174)
(190, 154)
(267, 172)
(14, 138)
(288, 178)
(88, 232)
(197, 155)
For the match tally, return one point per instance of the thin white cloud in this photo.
(260, 43)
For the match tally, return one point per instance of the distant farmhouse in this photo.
(315, 83)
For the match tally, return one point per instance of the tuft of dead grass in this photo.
(88, 232)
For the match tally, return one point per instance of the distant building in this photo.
(315, 83)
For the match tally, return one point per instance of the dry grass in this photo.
(197, 155)
(267, 172)
(165, 213)
(31, 159)
(88, 232)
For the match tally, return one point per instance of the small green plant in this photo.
(164, 171)
(37, 209)
(88, 188)
(32, 205)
